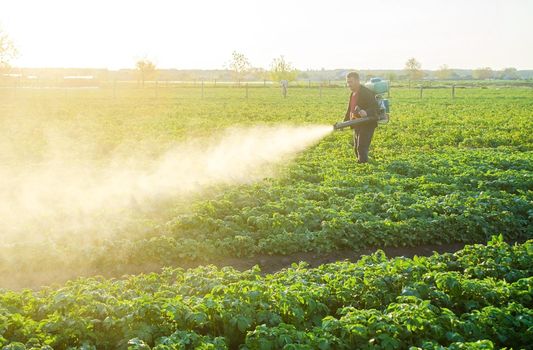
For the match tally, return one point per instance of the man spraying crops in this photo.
(362, 104)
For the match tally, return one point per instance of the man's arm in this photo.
(347, 115)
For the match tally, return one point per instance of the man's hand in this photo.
(361, 113)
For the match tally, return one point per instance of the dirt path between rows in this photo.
(267, 263)
(274, 263)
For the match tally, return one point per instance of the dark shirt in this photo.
(366, 100)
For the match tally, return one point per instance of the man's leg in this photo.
(364, 137)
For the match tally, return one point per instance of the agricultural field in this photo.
(478, 298)
(443, 171)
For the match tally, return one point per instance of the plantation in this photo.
(477, 298)
(443, 171)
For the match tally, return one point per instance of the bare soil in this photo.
(274, 263)
(267, 263)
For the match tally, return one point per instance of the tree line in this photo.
(240, 67)
(413, 69)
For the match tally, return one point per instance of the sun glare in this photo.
(203, 34)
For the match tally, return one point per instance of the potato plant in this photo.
(478, 298)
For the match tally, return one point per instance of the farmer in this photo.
(362, 104)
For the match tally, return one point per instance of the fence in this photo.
(244, 88)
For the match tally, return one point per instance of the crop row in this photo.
(480, 297)
(317, 206)
(441, 172)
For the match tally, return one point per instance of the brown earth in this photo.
(274, 263)
(267, 263)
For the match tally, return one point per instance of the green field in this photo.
(442, 171)
(478, 298)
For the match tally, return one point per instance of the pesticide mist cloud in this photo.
(62, 194)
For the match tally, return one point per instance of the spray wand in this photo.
(354, 121)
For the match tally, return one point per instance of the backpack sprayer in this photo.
(379, 87)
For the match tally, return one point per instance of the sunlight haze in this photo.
(311, 34)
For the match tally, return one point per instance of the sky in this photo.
(202, 34)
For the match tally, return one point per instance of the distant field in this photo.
(442, 171)
(112, 117)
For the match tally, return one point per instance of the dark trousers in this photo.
(362, 136)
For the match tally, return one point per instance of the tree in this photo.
(303, 75)
(413, 69)
(282, 70)
(444, 72)
(510, 73)
(391, 76)
(258, 73)
(482, 73)
(239, 65)
(455, 76)
(7, 50)
(146, 70)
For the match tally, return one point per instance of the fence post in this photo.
(320, 89)
(264, 82)
(453, 91)
(202, 89)
(156, 88)
(246, 90)
(309, 83)
(421, 90)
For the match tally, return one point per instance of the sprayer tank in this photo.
(378, 85)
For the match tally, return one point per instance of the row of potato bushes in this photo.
(478, 298)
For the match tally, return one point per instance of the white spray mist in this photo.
(64, 195)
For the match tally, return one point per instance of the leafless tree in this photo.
(239, 65)
(413, 70)
(7, 50)
(146, 70)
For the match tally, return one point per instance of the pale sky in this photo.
(369, 34)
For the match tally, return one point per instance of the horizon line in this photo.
(300, 70)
